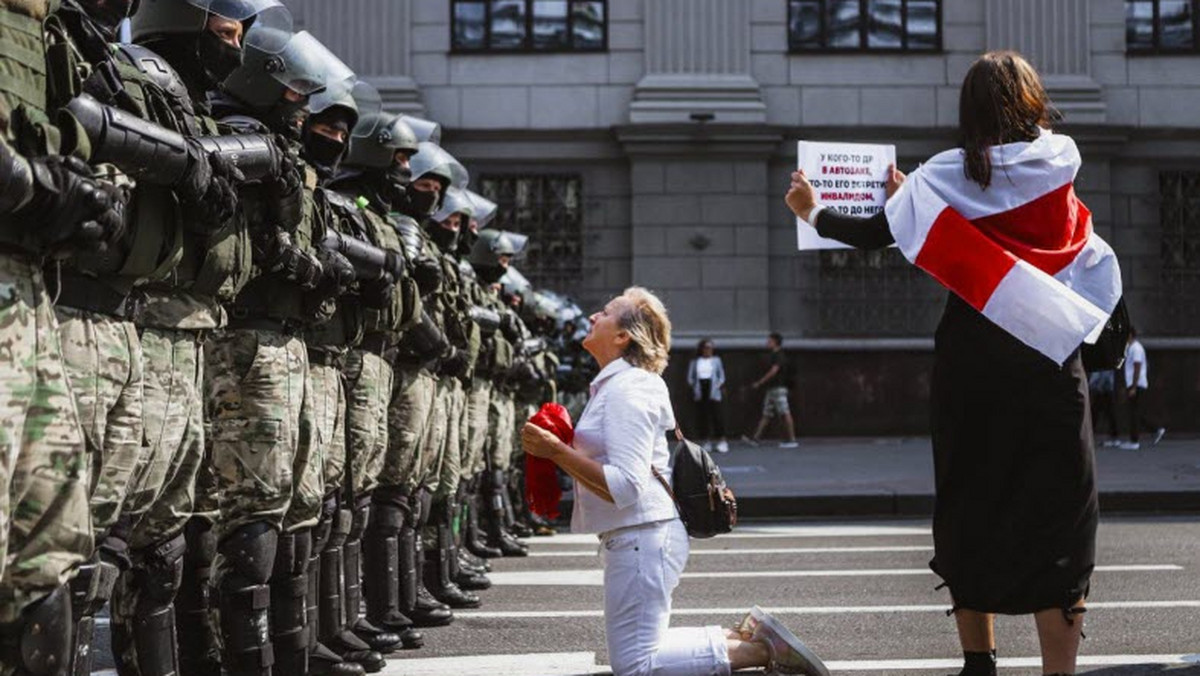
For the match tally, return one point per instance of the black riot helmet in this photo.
(333, 109)
(455, 203)
(279, 73)
(379, 135)
(492, 251)
(427, 131)
(107, 15)
(179, 29)
(431, 162)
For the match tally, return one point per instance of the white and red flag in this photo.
(1022, 252)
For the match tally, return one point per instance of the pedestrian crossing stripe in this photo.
(1011, 662)
(748, 552)
(595, 577)
(768, 531)
(803, 610)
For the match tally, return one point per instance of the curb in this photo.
(875, 504)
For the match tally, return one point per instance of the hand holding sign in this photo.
(852, 178)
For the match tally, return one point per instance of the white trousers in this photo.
(641, 569)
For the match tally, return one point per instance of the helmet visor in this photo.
(485, 209)
(297, 61)
(238, 10)
(427, 131)
(340, 82)
(456, 202)
(370, 105)
(431, 159)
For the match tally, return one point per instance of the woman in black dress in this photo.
(1016, 511)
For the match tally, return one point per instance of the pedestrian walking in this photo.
(1102, 388)
(1137, 381)
(998, 223)
(706, 378)
(777, 380)
(618, 441)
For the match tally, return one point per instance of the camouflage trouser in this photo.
(164, 488)
(453, 443)
(410, 423)
(45, 524)
(434, 446)
(329, 423)
(368, 394)
(521, 413)
(478, 398)
(308, 479)
(103, 357)
(501, 415)
(255, 388)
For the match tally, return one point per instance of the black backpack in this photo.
(1108, 352)
(706, 505)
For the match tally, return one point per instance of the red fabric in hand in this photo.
(542, 490)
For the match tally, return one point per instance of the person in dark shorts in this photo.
(776, 382)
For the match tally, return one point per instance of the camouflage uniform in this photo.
(45, 526)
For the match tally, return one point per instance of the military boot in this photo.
(467, 578)
(437, 576)
(198, 652)
(244, 599)
(332, 621)
(473, 537)
(379, 639)
(381, 566)
(415, 599)
(515, 507)
(145, 643)
(289, 591)
(321, 660)
(498, 536)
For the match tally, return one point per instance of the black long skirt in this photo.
(1016, 511)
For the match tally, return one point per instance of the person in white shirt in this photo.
(1137, 381)
(706, 377)
(644, 545)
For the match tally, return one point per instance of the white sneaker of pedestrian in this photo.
(789, 444)
(722, 446)
(788, 654)
(1112, 443)
(1131, 446)
(1158, 436)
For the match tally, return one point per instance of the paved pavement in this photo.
(857, 591)
(894, 476)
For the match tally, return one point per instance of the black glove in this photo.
(456, 364)
(285, 191)
(72, 210)
(339, 273)
(427, 273)
(377, 293)
(275, 252)
(510, 327)
(219, 201)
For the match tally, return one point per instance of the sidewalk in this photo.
(894, 476)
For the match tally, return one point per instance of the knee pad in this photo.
(250, 553)
(162, 571)
(40, 643)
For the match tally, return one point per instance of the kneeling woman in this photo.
(619, 437)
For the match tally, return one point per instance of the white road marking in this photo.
(805, 610)
(543, 664)
(750, 552)
(768, 531)
(1009, 662)
(594, 577)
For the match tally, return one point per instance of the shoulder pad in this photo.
(154, 67)
(244, 124)
(466, 271)
(339, 201)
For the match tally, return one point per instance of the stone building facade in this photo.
(659, 156)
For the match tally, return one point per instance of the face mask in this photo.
(490, 274)
(466, 240)
(416, 204)
(326, 153)
(447, 240)
(217, 58)
(286, 118)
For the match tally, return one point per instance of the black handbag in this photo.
(706, 505)
(1108, 352)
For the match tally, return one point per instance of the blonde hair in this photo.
(649, 330)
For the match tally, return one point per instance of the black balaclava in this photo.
(446, 239)
(416, 204)
(216, 57)
(321, 151)
(286, 117)
(490, 274)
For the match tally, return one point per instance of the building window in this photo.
(864, 25)
(1179, 313)
(529, 25)
(549, 209)
(871, 293)
(1162, 26)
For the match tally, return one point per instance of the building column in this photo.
(1056, 36)
(697, 64)
(372, 37)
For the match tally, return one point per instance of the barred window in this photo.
(864, 25)
(529, 25)
(1180, 252)
(1162, 26)
(873, 293)
(549, 209)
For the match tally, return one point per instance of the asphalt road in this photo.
(858, 592)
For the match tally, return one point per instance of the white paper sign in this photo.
(848, 177)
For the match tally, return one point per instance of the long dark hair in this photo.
(700, 346)
(1002, 101)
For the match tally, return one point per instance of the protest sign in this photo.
(848, 177)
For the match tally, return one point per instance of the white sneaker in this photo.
(788, 654)
(1158, 436)
(722, 446)
(1112, 443)
(789, 444)
(1131, 446)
